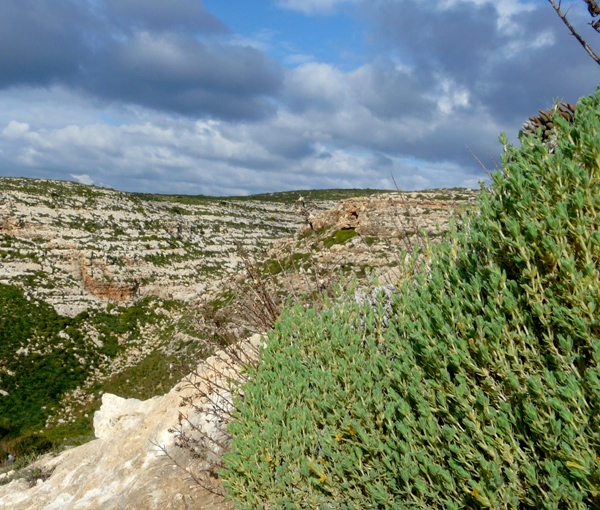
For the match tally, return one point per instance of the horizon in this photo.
(394, 190)
(166, 194)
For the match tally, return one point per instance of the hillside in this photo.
(100, 290)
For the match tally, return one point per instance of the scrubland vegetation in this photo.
(46, 355)
(475, 385)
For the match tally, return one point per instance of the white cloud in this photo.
(83, 179)
(313, 6)
(329, 132)
(506, 9)
(450, 96)
(526, 43)
(317, 86)
(15, 129)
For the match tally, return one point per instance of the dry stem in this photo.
(582, 41)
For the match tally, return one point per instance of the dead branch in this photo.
(479, 161)
(582, 41)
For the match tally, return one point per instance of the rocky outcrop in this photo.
(370, 233)
(98, 280)
(393, 214)
(125, 467)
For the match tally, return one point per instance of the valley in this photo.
(103, 291)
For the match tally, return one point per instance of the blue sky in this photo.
(241, 97)
(333, 36)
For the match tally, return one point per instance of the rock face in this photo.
(79, 246)
(393, 214)
(98, 280)
(124, 468)
(370, 232)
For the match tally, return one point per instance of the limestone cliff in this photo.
(80, 246)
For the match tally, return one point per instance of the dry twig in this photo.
(479, 161)
(582, 41)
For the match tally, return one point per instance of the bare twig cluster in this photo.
(261, 305)
(417, 252)
(207, 403)
(420, 242)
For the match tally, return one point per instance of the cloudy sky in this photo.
(245, 96)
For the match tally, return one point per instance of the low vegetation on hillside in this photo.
(476, 385)
(46, 357)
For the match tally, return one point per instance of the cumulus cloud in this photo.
(42, 41)
(83, 179)
(187, 76)
(389, 91)
(315, 86)
(15, 129)
(167, 56)
(150, 96)
(348, 141)
(508, 57)
(158, 15)
(211, 157)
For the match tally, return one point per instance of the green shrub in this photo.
(29, 444)
(483, 388)
(339, 237)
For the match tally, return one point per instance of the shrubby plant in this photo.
(480, 389)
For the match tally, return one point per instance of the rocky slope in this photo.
(368, 233)
(79, 246)
(124, 275)
(125, 467)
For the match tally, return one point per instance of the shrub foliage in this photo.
(481, 389)
(44, 355)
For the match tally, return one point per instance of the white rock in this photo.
(118, 414)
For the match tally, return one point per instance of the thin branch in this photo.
(205, 484)
(494, 161)
(479, 161)
(581, 40)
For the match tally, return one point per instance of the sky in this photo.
(249, 96)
